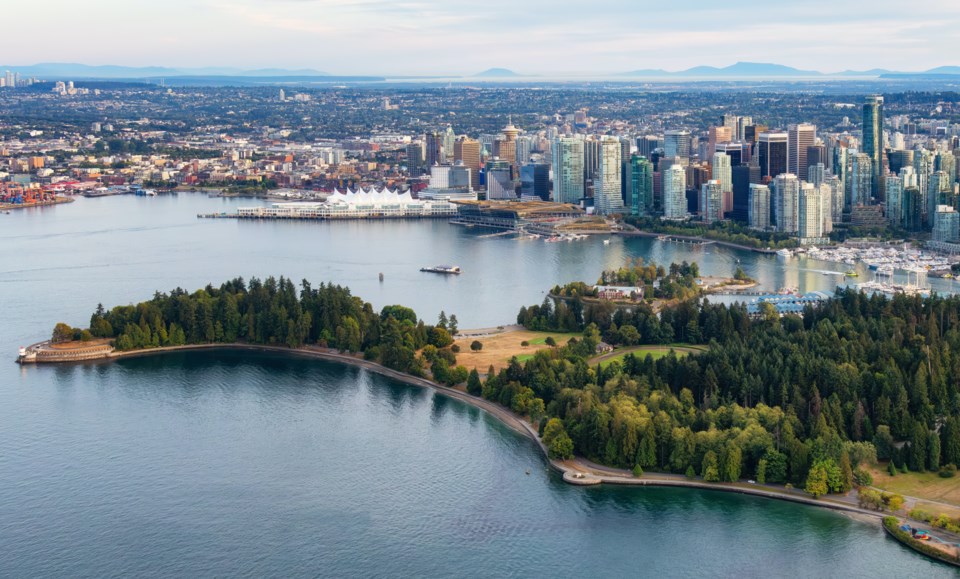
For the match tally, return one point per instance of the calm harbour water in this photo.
(232, 464)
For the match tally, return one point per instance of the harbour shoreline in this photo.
(576, 471)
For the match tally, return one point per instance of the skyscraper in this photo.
(873, 140)
(786, 199)
(861, 179)
(837, 198)
(894, 197)
(535, 181)
(435, 154)
(816, 174)
(415, 159)
(810, 213)
(677, 143)
(674, 191)
(841, 167)
(721, 171)
(718, 135)
(646, 145)
(568, 170)
(759, 206)
(711, 201)
(946, 224)
(817, 154)
(499, 177)
(640, 198)
(772, 154)
(467, 150)
(799, 138)
(608, 199)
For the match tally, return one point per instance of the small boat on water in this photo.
(448, 269)
(381, 276)
(606, 242)
(851, 273)
(784, 252)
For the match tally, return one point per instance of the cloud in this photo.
(464, 36)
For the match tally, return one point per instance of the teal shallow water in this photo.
(240, 464)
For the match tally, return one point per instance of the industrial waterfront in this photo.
(171, 465)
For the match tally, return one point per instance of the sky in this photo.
(459, 37)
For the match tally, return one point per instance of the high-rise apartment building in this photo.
(810, 212)
(759, 206)
(894, 197)
(711, 201)
(946, 224)
(800, 138)
(674, 191)
(568, 170)
(837, 198)
(607, 195)
(786, 201)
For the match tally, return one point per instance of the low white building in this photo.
(356, 205)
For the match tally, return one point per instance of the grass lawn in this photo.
(923, 485)
(656, 352)
(499, 348)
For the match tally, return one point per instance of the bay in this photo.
(236, 464)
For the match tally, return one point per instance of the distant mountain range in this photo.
(759, 70)
(72, 70)
(768, 70)
(496, 73)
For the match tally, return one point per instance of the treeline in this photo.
(721, 231)
(803, 400)
(274, 312)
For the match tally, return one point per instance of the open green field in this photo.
(656, 352)
(923, 485)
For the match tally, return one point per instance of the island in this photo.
(801, 406)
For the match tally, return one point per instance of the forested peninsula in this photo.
(799, 400)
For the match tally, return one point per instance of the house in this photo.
(604, 348)
(616, 292)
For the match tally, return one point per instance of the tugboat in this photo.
(448, 269)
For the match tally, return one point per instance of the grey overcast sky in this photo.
(464, 37)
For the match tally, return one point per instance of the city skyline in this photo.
(352, 37)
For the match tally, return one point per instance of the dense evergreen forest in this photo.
(273, 312)
(799, 399)
(802, 400)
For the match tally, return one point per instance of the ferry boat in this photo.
(448, 269)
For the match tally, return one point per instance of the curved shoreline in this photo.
(730, 244)
(591, 474)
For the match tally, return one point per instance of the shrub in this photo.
(691, 474)
(524, 343)
(862, 478)
(638, 471)
(948, 471)
(476, 345)
(455, 349)
(892, 469)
